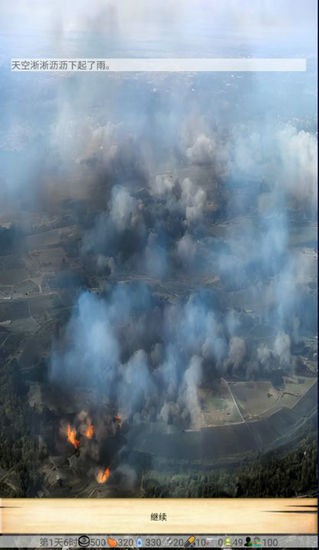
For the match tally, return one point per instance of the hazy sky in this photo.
(201, 27)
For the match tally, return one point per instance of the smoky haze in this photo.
(147, 352)
(189, 192)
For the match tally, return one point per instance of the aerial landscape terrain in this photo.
(158, 258)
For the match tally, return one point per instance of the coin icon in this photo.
(83, 541)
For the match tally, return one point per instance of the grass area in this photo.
(275, 475)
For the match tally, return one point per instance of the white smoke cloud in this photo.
(284, 157)
(92, 348)
(189, 392)
(282, 348)
(264, 354)
(193, 200)
(123, 209)
(137, 387)
(186, 248)
(163, 184)
(203, 151)
(298, 164)
(236, 352)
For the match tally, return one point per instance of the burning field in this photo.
(158, 276)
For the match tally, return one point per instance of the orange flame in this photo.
(89, 432)
(71, 435)
(103, 475)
